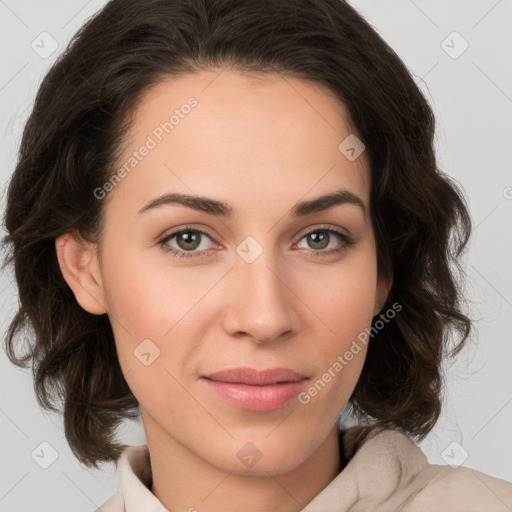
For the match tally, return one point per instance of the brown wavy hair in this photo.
(71, 143)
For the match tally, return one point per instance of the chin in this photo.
(259, 458)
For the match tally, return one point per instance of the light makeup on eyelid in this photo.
(163, 242)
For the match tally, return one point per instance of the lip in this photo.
(252, 376)
(256, 390)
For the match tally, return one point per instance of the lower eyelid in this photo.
(345, 242)
(164, 241)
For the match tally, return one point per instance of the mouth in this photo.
(256, 390)
(252, 376)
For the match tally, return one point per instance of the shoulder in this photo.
(114, 504)
(392, 463)
(461, 489)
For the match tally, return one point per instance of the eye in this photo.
(320, 239)
(189, 239)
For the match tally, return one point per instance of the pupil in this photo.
(316, 236)
(189, 238)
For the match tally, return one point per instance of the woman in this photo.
(227, 218)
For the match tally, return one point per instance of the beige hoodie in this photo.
(386, 472)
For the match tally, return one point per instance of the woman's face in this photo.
(267, 286)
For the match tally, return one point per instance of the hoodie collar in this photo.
(378, 463)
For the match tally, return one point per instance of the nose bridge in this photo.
(260, 300)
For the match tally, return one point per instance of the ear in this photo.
(79, 265)
(383, 288)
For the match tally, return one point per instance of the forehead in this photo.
(254, 141)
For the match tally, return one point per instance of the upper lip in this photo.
(246, 375)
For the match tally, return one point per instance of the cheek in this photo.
(344, 303)
(158, 302)
(154, 314)
(346, 308)
(142, 310)
(344, 296)
(136, 309)
(147, 298)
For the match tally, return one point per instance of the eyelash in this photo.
(347, 242)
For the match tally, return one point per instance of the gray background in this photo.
(471, 94)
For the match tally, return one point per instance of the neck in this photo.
(184, 481)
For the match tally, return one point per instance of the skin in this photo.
(260, 143)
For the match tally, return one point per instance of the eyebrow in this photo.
(219, 208)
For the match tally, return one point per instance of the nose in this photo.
(260, 304)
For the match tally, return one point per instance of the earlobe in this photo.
(79, 266)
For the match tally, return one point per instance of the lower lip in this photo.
(257, 398)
